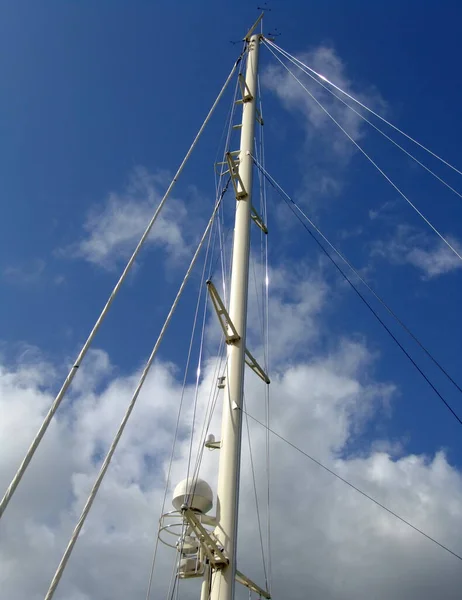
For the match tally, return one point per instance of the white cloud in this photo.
(427, 253)
(328, 542)
(113, 229)
(437, 260)
(25, 274)
(327, 150)
(384, 211)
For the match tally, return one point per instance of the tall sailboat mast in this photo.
(230, 451)
(207, 543)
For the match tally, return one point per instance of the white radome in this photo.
(201, 499)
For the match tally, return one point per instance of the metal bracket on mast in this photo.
(239, 190)
(258, 220)
(213, 445)
(231, 334)
(246, 95)
(251, 362)
(241, 578)
(259, 117)
(229, 330)
(208, 542)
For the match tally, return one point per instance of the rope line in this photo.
(357, 489)
(271, 43)
(401, 193)
(355, 289)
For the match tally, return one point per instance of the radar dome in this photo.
(196, 493)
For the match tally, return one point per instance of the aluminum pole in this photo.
(230, 452)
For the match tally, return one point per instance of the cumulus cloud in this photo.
(327, 150)
(427, 253)
(112, 230)
(327, 541)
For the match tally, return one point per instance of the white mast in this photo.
(203, 552)
(230, 453)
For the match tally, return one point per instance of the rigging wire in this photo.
(174, 580)
(211, 401)
(177, 425)
(225, 134)
(323, 78)
(260, 309)
(265, 316)
(199, 365)
(210, 250)
(291, 203)
(57, 401)
(357, 489)
(401, 193)
(440, 179)
(280, 190)
(256, 499)
(213, 397)
(62, 565)
(214, 391)
(211, 404)
(224, 163)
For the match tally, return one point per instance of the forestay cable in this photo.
(62, 565)
(323, 78)
(402, 194)
(358, 293)
(57, 401)
(357, 489)
(302, 68)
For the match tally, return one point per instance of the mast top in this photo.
(254, 26)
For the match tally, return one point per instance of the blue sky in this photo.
(101, 96)
(90, 93)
